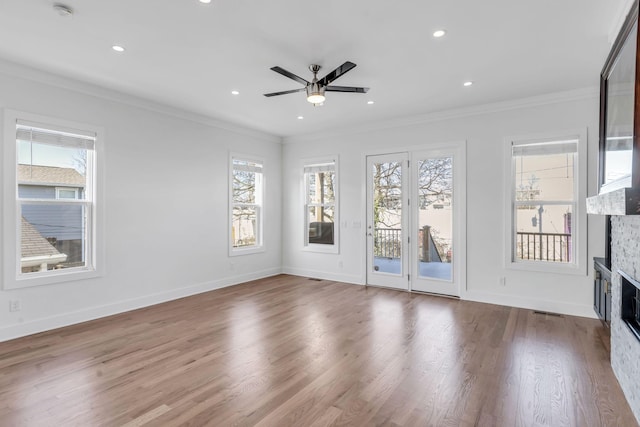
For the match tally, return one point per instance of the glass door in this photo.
(436, 222)
(387, 211)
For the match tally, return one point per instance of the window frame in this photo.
(578, 266)
(260, 211)
(59, 189)
(13, 278)
(321, 247)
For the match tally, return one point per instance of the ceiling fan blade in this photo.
(285, 92)
(347, 89)
(290, 75)
(347, 66)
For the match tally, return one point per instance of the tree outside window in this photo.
(247, 202)
(320, 203)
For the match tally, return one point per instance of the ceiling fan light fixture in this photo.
(316, 98)
(315, 93)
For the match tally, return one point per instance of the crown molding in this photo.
(476, 110)
(21, 71)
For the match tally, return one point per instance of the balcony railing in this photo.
(387, 243)
(554, 247)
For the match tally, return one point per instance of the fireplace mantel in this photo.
(623, 201)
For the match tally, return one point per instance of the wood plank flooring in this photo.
(288, 351)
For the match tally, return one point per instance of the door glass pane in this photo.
(435, 217)
(387, 217)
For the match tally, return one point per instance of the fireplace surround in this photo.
(625, 343)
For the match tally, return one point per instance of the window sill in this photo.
(547, 267)
(319, 248)
(246, 251)
(50, 278)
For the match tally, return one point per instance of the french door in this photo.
(415, 220)
(387, 220)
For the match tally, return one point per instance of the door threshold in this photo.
(435, 294)
(413, 291)
(386, 287)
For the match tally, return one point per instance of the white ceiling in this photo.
(191, 55)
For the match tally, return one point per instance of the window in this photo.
(546, 190)
(54, 192)
(246, 196)
(66, 193)
(320, 208)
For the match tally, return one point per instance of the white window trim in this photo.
(579, 265)
(58, 189)
(317, 247)
(260, 247)
(12, 277)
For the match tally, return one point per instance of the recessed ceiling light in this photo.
(117, 48)
(370, 102)
(300, 117)
(235, 92)
(439, 33)
(205, 1)
(469, 83)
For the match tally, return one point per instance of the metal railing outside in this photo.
(554, 247)
(387, 242)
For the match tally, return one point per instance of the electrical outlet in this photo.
(503, 281)
(15, 305)
(340, 264)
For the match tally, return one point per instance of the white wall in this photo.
(166, 209)
(484, 129)
(165, 203)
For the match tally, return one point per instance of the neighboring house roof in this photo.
(33, 244)
(49, 175)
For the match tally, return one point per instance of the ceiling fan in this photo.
(316, 88)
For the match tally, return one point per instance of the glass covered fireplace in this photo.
(630, 303)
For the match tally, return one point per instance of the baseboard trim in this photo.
(346, 278)
(530, 303)
(66, 319)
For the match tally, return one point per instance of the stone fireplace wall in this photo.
(625, 347)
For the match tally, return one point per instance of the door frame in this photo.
(459, 150)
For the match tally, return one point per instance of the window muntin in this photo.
(247, 187)
(320, 210)
(544, 201)
(54, 231)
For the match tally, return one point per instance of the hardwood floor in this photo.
(288, 351)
